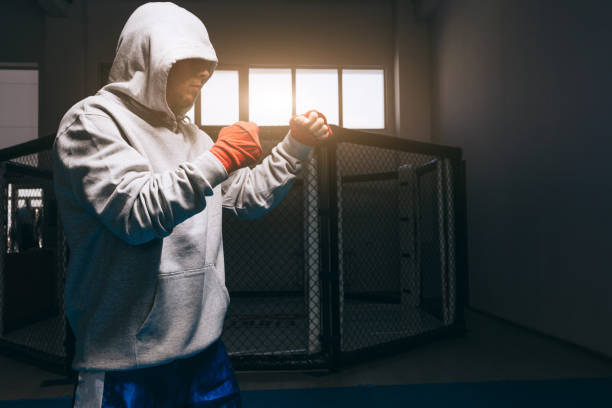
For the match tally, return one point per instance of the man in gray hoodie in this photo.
(140, 192)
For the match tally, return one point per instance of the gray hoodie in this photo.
(140, 198)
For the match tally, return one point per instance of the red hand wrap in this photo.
(301, 134)
(237, 146)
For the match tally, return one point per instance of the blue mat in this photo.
(583, 393)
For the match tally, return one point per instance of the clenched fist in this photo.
(310, 128)
(237, 146)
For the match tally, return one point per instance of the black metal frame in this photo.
(332, 357)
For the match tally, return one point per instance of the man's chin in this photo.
(184, 107)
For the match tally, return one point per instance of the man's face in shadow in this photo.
(185, 80)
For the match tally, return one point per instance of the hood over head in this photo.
(156, 36)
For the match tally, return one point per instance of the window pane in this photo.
(363, 98)
(220, 104)
(270, 96)
(317, 89)
(18, 106)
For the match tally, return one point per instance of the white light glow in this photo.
(220, 100)
(363, 98)
(270, 96)
(317, 89)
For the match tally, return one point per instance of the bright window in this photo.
(220, 99)
(363, 98)
(18, 106)
(317, 89)
(270, 96)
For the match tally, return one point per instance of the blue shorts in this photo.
(204, 380)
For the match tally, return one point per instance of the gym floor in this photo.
(491, 350)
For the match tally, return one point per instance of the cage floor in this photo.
(270, 325)
(367, 324)
(279, 325)
(46, 336)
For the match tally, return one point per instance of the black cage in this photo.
(364, 256)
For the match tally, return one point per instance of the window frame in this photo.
(243, 88)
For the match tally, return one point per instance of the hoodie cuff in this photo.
(211, 167)
(298, 150)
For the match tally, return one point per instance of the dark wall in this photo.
(63, 76)
(21, 30)
(412, 73)
(524, 87)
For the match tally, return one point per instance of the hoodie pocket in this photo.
(187, 315)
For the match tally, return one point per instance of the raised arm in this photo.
(251, 193)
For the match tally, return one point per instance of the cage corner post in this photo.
(461, 239)
(312, 260)
(328, 210)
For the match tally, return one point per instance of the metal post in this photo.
(328, 211)
(460, 207)
(334, 253)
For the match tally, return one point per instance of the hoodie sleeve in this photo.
(251, 193)
(104, 175)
